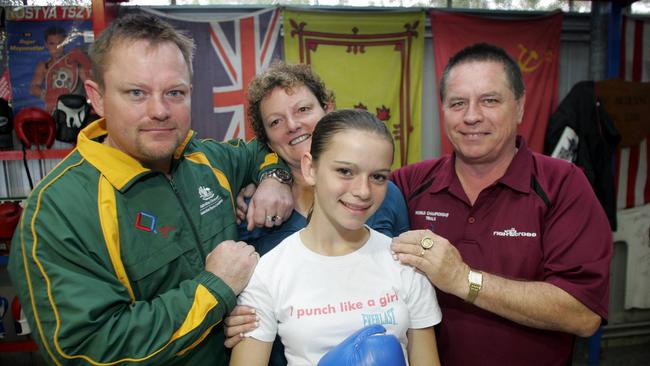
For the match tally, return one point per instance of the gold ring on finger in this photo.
(426, 243)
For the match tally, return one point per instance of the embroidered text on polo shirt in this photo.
(514, 232)
(210, 200)
(431, 215)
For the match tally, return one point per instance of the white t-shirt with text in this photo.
(314, 302)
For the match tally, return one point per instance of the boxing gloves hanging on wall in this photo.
(9, 217)
(72, 113)
(369, 346)
(6, 125)
(34, 126)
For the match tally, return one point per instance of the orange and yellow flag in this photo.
(370, 61)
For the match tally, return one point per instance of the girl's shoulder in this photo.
(379, 246)
(282, 251)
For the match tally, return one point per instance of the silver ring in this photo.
(270, 218)
(276, 218)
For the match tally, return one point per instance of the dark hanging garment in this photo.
(582, 132)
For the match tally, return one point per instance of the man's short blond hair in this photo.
(130, 29)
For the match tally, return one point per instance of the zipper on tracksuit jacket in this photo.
(187, 216)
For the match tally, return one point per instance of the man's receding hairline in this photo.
(151, 45)
(504, 69)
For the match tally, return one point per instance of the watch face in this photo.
(283, 175)
(475, 277)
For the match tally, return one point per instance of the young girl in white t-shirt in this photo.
(337, 275)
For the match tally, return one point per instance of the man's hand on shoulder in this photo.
(436, 257)
(233, 262)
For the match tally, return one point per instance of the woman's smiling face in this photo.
(289, 118)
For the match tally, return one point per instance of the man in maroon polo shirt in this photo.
(516, 242)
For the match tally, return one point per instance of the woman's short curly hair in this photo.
(288, 77)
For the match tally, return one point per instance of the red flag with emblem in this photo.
(533, 42)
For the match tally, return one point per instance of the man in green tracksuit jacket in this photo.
(123, 254)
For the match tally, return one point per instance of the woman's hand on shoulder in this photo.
(241, 320)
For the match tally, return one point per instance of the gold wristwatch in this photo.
(475, 279)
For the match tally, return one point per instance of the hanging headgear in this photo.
(34, 126)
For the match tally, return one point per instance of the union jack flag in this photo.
(229, 53)
(632, 163)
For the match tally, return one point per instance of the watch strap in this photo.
(475, 279)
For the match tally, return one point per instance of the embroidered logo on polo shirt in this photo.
(514, 232)
(146, 222)
(210, 200)
(431, 215)
(205, 193)
(166, 229)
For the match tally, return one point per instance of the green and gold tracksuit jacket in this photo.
(108, 259)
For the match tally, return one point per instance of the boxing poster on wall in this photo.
(5, 92)
(47, 51)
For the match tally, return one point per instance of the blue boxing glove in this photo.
(369, 346)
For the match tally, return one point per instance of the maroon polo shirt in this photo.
(541, 221)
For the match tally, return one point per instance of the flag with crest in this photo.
(371, 61)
